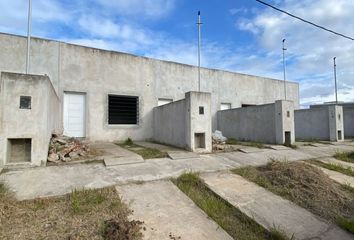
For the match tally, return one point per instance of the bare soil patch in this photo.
(308, 187)
(86, 214)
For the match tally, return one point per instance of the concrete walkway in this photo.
(169, 214)
(270, 210)
(58, 180)
(337, 176)
(337, 162)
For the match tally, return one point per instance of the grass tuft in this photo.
(84, 200)
(347, 224)
(145, 152)
(306, 186)
(345, 156)
(232, 141)
(334, 167)
(233, 221)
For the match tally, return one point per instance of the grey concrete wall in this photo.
(36, 123)
(321, 123)
(348, 121)
(263, 123)
(170, 123)
(177, 123)
(99, 73)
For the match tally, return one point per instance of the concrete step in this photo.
(176, 155)
(279, 147)
(251, 150)
(270, 210)
(169, 214)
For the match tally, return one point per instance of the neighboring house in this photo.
(106, 95)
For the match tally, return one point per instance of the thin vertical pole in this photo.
(335, 78)
(29, 35)
(284, 68)
(199, 47)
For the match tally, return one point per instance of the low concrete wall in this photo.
(348, 121)
(322, 123)
(36, 123)
(263, 123)
(177, 123)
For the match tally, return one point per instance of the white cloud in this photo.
(310, 50)
(139, 8)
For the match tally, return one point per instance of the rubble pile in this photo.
(218, 138)
(65, 149)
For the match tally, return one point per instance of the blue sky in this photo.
(239, 35)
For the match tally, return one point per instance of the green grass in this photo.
(145, 152)
(233, 141)
(347, 224)
(346, 157)
(83, 200)
(234, 222)
(3, 189)
(334, 167)
(307, 187)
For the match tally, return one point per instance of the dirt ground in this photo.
(86, 214)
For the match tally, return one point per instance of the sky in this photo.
(237, 35)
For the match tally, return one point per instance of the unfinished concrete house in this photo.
(322, 123)
(109, 96)
(268, 123)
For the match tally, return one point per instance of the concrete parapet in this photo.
(269, 123)
(185, 123)
(322, 123)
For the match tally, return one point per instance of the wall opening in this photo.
(247, 105)
(287, 141)
(201, 110)
(19, 150)
(25, 102)
(123, 109)
(199, 140)
(339, 135)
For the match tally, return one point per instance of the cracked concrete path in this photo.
(169, 214)
(270, 210)
(59, 180)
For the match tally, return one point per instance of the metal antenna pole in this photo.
(199, 46)
(284, 70)
(335, 78)
(29, 35)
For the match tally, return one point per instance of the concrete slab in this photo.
(116, 155)
(337, 176)
(279, 147)
(270, 210)
(250, 150)
(337, 162)
(319, 144)
(182, 155)
(169, 214)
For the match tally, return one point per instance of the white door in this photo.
(74, 114)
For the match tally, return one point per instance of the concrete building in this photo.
(269, 123)
(348, 116)
(109, 96)
(322, 123)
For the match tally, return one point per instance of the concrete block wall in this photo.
(185, 123)
(323, 123)
(36, 123)
(268, 123)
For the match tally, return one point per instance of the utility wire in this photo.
(301, 19)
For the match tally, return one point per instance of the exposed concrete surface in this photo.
(182, 155)
(325, 150)
(279, 147)
(266, 123)
(250, 149)
(338, 162)
(116, 155)
(270, 210)
(337, 176)
(58, 180)
(168, 213)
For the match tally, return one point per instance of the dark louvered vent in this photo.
(123, 109)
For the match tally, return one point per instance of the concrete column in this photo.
(284, 122)
(336, 129)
